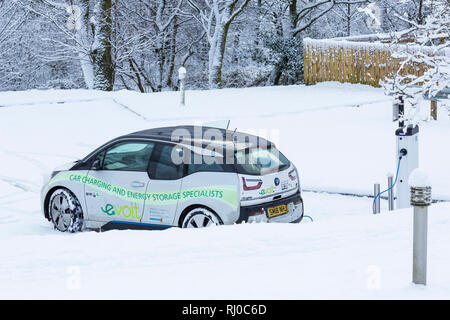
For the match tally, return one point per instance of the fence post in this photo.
(433, 111)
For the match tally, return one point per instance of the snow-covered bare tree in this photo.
(428, 47)
(12, 18)
(83, 30)
(216, 16)
(291, 18)
(68, 35)
(412, 10)
(146, 43)
(139, 44)
(349, 14)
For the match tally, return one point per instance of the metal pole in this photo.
(390, 192)
(420, 199)
(183, 93)
(376, 191)
(401, 111)
(395, 110)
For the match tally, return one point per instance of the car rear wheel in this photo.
(65, 211)
(200, 218)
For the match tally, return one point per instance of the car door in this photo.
(115, 186)
(164, 188)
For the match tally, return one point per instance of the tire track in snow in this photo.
(37, 103)
(129, 109)
(24, 185)
(33, 161)
(262, 115)
(71, 101)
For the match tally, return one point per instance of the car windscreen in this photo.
(260, 161)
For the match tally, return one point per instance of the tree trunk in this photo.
(277, 72)
(287, 32)
(83, 38)
(102, 51)
(173, 45)
(216, 54)
(419, 15)
(349, 19)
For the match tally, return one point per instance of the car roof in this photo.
(232, 140)
(196, 134)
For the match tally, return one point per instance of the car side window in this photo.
(128, 156)
(162, 166)
(207, 164)
(99, 158)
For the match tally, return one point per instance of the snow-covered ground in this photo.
(341, 138)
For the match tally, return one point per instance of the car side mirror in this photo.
(96, 165)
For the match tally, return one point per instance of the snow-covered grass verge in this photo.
(340, 137)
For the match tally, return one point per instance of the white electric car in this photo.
(185, 176)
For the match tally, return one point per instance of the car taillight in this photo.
(257, 213)
(257, 216)
(251, 187)
(292, 175)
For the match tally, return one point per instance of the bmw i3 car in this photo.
(183, 176)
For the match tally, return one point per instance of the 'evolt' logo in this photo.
(126, 211)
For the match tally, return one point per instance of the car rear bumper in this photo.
(258, 213)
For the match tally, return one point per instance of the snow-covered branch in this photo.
(431, 50)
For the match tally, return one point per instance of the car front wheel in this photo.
(65, 211)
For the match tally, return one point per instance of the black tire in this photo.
(65, 211)
(200, 218)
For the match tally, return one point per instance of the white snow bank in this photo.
(366, 257)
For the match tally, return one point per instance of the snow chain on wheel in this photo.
(65, 211)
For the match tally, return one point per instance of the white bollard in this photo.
(421, 200)
(182, 77)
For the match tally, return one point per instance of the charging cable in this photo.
(396, 176)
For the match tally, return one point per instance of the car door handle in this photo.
(137, 184)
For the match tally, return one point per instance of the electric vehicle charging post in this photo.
(407, 156)
(182, 77)
(407, 161)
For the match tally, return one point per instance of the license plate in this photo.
(277, 211)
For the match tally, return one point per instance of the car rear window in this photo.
(260, 161)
